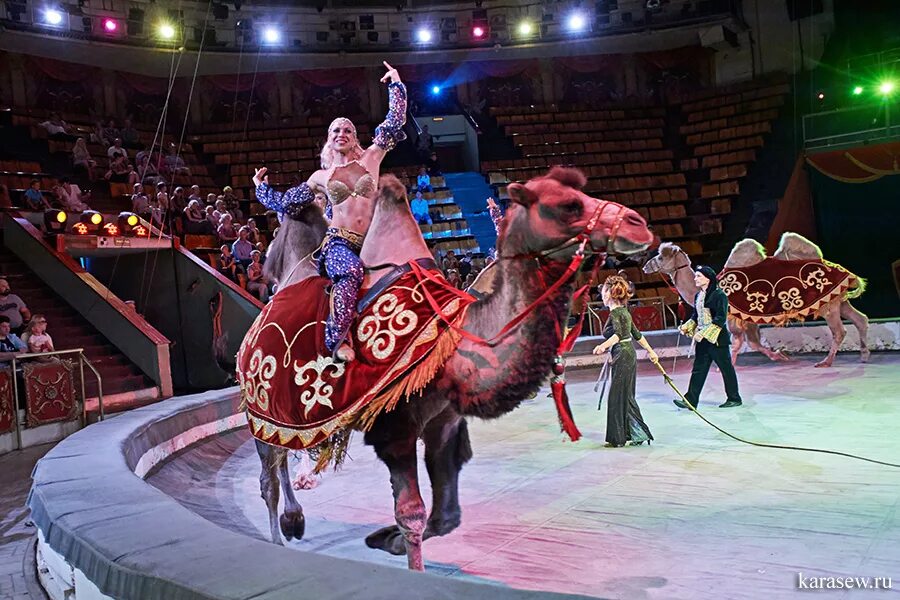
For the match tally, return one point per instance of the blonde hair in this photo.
(329, 154)
(34, 321)
(618, 288)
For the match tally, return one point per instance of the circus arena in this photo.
(318, 300)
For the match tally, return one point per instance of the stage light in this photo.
(128, 223)
(886, 87)
(820, 95)
(858, 90)
(111, 229)
(423, 36)
(55, 220)
(90, 222)
(576, 22)
(271, 35)
(166, 31)
(435, 90)
(478, 32)
(110, 25)
(53, 17)
(525, 28)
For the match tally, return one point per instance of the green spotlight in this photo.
(886, 87)
(858, 90)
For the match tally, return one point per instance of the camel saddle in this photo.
(298, 396)
(777, 291)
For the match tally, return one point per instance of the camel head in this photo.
(297, 237)
(669, 259)
(547, 211)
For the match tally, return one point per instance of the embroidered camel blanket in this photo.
(298, 397)
(777, 291)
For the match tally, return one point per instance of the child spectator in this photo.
(140, 203)
(36, 336)
(227, 266)
(34, 199)
(256, 282)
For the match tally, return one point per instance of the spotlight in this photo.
(576, 22)
(435, 90)
(478, 32)
(166, 31)
(53, 17)
(110, 25)
(111, 229)
(886, 87)
(55, 221)
(858, 90)
(271, 35)
(90, 222)
(525, 28)
(820, 95)
(128, 223)
(423, 36)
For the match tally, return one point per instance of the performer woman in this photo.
(349, 177)
(707, 327)
(623, 417)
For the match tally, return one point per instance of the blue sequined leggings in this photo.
(340, 262)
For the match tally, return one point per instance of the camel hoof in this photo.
(823, 364)
(293, 524)
(864, 355)
(345, 353)
(388, 539)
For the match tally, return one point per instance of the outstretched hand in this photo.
(260, 177)
(392, 76)
(491, 203)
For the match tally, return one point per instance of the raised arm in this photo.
(390, 132)
(285, 203)
(495, 213)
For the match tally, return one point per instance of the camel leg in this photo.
(753, 338)
(447, 449)
(409, 510)
(737, 342)
(861, 321)
(292, 521)
(268, 486)
(832, 316)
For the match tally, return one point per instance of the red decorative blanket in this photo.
(298, 397)
(777, 291)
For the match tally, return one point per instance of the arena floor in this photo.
(696, 515)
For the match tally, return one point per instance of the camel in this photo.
(674, 262)
(539, 236)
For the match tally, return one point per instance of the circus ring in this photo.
(163, 502)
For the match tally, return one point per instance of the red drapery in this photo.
(62, 71)
(589, 64)
(150, 86)
(859, 165)
(332, 77)
(240, 83)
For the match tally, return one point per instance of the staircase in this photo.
(470, 192)
(70, 330)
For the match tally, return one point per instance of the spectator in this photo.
(10, 343)
(81, 158)
(116, 150)
(425, 143)
(36, 336)
(121, 171)
(227, 266)
(256, 281)
(175, 164)
(261, 248)
(34, 199)
(453, 278)
(470, 279)
(195, 219)
(419, 208)
(178, 202)
(140, 203)
(147, 171)
(255, 234)
(242, 248)
(55, 125)
(160, 204)
(423, 181)
(221, 211)
(465, 265)
(212, 218)
(226, 231)
(434, 167)
(129, 135)
(109, 133)
(5, 200)
(232, 204)
(450, 262)
(12, 308)
(70, 196)
(195, 194)
(211, 200)
(97, 136)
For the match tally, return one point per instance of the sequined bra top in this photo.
(338, 191)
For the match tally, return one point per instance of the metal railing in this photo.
(659, 302)
(82, 360)
(872, 122)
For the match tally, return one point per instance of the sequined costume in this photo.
(496, 216)
(339, 255)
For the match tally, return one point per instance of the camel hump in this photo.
(794, 246)
(391, 188)
(745, 253)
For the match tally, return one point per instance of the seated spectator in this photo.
(261, 248)
(5, 200)
(232, 203)
(255, 235)
(110, 132)
(81, 158)
(227, 266)
(221, 211)
(178, 202)
(10, 343)
(36, 336)
(121, 171)
(160, 204)
(242, 248)
(97, 135)
(116, 150)
(147, 171)
(12, 308)
(211, 200)
(453, 278)
(55, 125)
(195, 219)
(70, 196)
(419, 208)
(175, 164)
(226, 231)
(256, 281)
(212, 218)
(434, 167)
(195, 194)
(34, 199)
(451, 263)
(423, 181)
(129, 135)
(465, 265)
(470, 279)
(140, 203)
